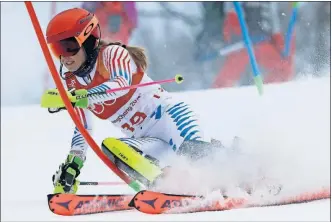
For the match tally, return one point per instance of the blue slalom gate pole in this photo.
(257, 75)
(290, 29)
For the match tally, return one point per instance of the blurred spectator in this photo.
(263, 25)
(117, 19)
(210, 39)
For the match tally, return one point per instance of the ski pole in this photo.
(257, 75)
(178, 79)
(290, 29)
(94, 183)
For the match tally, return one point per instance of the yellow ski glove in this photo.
(52, 99)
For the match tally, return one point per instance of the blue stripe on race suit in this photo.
(97, 89)
(79, 144)
(174, 111)
(156, 113)
(76, 130)
(147, 139)
(100, 88)
(136, 140)
(186, 130)
(183, 117)
(170, 109)
(75, 137)
(186, 124)
(114, 74)
(77, 140)
(197, 137)
(172, 144)
(190, 135)
(174, 147)
(182, 120)
(130, 142)
(126, 77)
(93, 90)
(104, 87)
(180, 111)
(120, 72)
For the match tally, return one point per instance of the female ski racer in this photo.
(153, 121)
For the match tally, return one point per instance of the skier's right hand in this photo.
(64, 180)
(52, 109)
(52, 99)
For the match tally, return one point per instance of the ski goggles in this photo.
(69, 43)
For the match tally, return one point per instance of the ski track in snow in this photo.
(290, 124)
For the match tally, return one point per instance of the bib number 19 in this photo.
(136, 119)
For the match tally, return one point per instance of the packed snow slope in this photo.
(289, 126)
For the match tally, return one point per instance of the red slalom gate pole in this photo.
(69, 107)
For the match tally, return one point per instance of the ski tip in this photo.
(49, 201)
(134, 199)
(132, 203)
(59, 203)
(50, 196)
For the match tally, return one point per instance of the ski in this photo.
(158, 203)
(151, 202)
(71, 204)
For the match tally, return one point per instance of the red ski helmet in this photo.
(68, 30)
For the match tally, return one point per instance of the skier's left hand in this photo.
(64, 180)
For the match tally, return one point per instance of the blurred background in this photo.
(200, 40)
